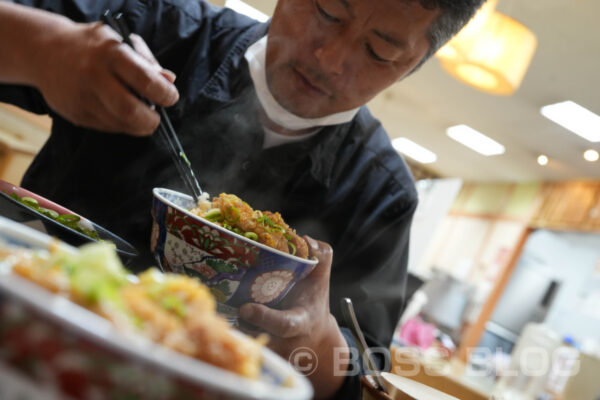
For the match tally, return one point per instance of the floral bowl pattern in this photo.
(238, 270)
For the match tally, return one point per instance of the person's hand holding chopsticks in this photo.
(86, 74)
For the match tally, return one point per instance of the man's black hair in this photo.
(454, 15)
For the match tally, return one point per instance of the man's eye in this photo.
(375, 55)
(325, 15)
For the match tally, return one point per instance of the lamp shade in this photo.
(456, 46)
(496, 59)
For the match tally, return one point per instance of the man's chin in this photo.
(303, 108)
(297, 103)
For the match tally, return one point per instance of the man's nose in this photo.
(333, 55)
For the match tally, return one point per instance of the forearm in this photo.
(25, 37)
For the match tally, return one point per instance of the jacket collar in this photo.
(219, 86)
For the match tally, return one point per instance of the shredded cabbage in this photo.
(95, 271)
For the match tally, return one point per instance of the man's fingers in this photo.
(283, 323)
(169, 75)
(128, 113)
(322, 252)
(142, 48)
(144, 78)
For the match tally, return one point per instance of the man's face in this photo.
(327, 56)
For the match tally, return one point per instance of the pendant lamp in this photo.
(492, 53)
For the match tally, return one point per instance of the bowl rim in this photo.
(84, 322)
(127, 249)
(156, 192)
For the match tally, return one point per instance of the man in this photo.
(276, 119)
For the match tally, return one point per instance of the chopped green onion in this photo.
(182, 155)
(213, 214)
(279, 228)
(173, 303)
(293, 247)
(49, 213)
(251, 235)
(138, 321)
(68, 218)
(30, 201)
(232, 214)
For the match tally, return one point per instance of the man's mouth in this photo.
(311, 83)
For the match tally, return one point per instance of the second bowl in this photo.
(237, 269)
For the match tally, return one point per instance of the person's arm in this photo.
(304, 331)
(83, 71)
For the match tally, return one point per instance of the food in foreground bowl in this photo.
(268, 228)
(174, 310)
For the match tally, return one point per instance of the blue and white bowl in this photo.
(237, 269)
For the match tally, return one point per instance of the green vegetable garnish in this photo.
(279, 228)
(173, 303)
(49, 213)
(182, 155)
(293, 247)
(268, 223)
(95, 272)
(265, 221)
(251, 235)
(30, 201)
(232, 214)
(213, 214)
(68, 220)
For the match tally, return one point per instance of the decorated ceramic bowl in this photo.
(54, 349)
(237, 269)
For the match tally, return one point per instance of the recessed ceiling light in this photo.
(591, 155)
(475, 140)
(575, 118)
(542, 160)
(414, 151)
(246, 9)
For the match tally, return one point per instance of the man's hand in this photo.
(91, 78)
(305, 321)
(84, 71)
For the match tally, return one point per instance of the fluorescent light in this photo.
(542, 160)
(246, 9)
(474, 140)
(591, 155)
(414, 151)
(575, 118)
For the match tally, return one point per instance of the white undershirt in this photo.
(273, 138)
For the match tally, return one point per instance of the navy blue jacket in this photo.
(346, 185)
